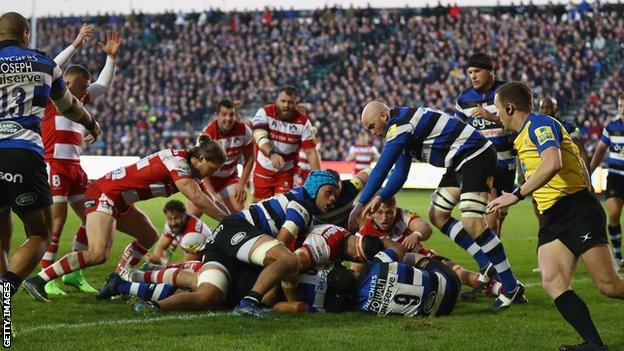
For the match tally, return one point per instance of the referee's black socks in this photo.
(576, 313)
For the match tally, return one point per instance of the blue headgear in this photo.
(316, 179)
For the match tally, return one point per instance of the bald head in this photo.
(548, 106)
(374, 117)
(14, 26)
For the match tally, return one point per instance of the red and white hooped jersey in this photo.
(62, 137)
(363, 156)
(398, 232)
(287, 137)
(324, 243)
(152, 176)
(233, 143)
(193, 225)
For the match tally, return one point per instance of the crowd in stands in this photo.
(173, 67)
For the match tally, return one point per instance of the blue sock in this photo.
(493, 248)
(146, 291)
(454, 229)
(252, 299)
(616, 241)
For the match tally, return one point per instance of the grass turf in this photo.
(79, 322)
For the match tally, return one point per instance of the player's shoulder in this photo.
(467, 95)
(540, 120)
(269, 109)
(211, 128)
(240, 128)
(615, 123)
(300, 117)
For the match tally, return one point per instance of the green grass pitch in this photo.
(79, 322)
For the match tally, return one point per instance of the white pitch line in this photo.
(177, 317)
(114, 322)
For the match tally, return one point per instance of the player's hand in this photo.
(277, 161)
(372, 206)
(505, 200)
(240, 192)
(411, 242)
(93, 133)
(86, 31)
(353, 217)
(112, 45)
(480, 112)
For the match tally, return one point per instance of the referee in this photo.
(28, 78)
(573, 225)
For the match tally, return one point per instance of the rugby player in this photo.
(62, 140)
(28, 78)
(612, 139)
(573, 223)
(363, 153)
(443, 141)
(475, 106)
(279, 131)
(109, 206)
(225, 186)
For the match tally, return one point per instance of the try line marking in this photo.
(176, 317)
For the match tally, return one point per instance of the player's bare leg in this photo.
(557, 265)
(597, 261)
(211, 285)
(279, 263)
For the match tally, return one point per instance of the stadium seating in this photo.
(173, 67)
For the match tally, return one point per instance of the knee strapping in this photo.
(472, 205)
(443, 200)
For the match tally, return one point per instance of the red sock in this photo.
(81, 243)
(131, 256)
(73, 261)
(48, 258)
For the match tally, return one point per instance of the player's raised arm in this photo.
(86, 31)
(105, 79)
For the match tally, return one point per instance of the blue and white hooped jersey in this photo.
(392, 287)
(502, 139)
(292, 210)
(312, 288)
(434, 137)
(27, 78)
(613, 136)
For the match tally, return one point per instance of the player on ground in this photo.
(407, 228)
(258, 236)
(613, 139)
(279, 131)
(475, 106)
(62, 140)
(225, 186)
(443, 141)
(109, 206)
(186, 230)
(27, 80)
(573, 225)
(363, 153)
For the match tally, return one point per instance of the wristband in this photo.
(517, 194)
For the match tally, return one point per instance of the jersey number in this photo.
(18, 95)
(406, 300)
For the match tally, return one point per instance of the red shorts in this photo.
(279, 183)
(96, 200)
(67, 181)
(221, 184)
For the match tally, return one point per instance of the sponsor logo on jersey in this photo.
(11, 178)
(391, 133)
(238, 237)
(9, 128)
(26, 199)
(430, 302)
(544, 134)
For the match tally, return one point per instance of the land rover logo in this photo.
(237, 238)
(9, 127)
(26, 199)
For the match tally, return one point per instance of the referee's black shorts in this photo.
(23, 181)
(577, 220)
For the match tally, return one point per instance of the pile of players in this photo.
(286, 249)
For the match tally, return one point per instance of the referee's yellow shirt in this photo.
(539, 133)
